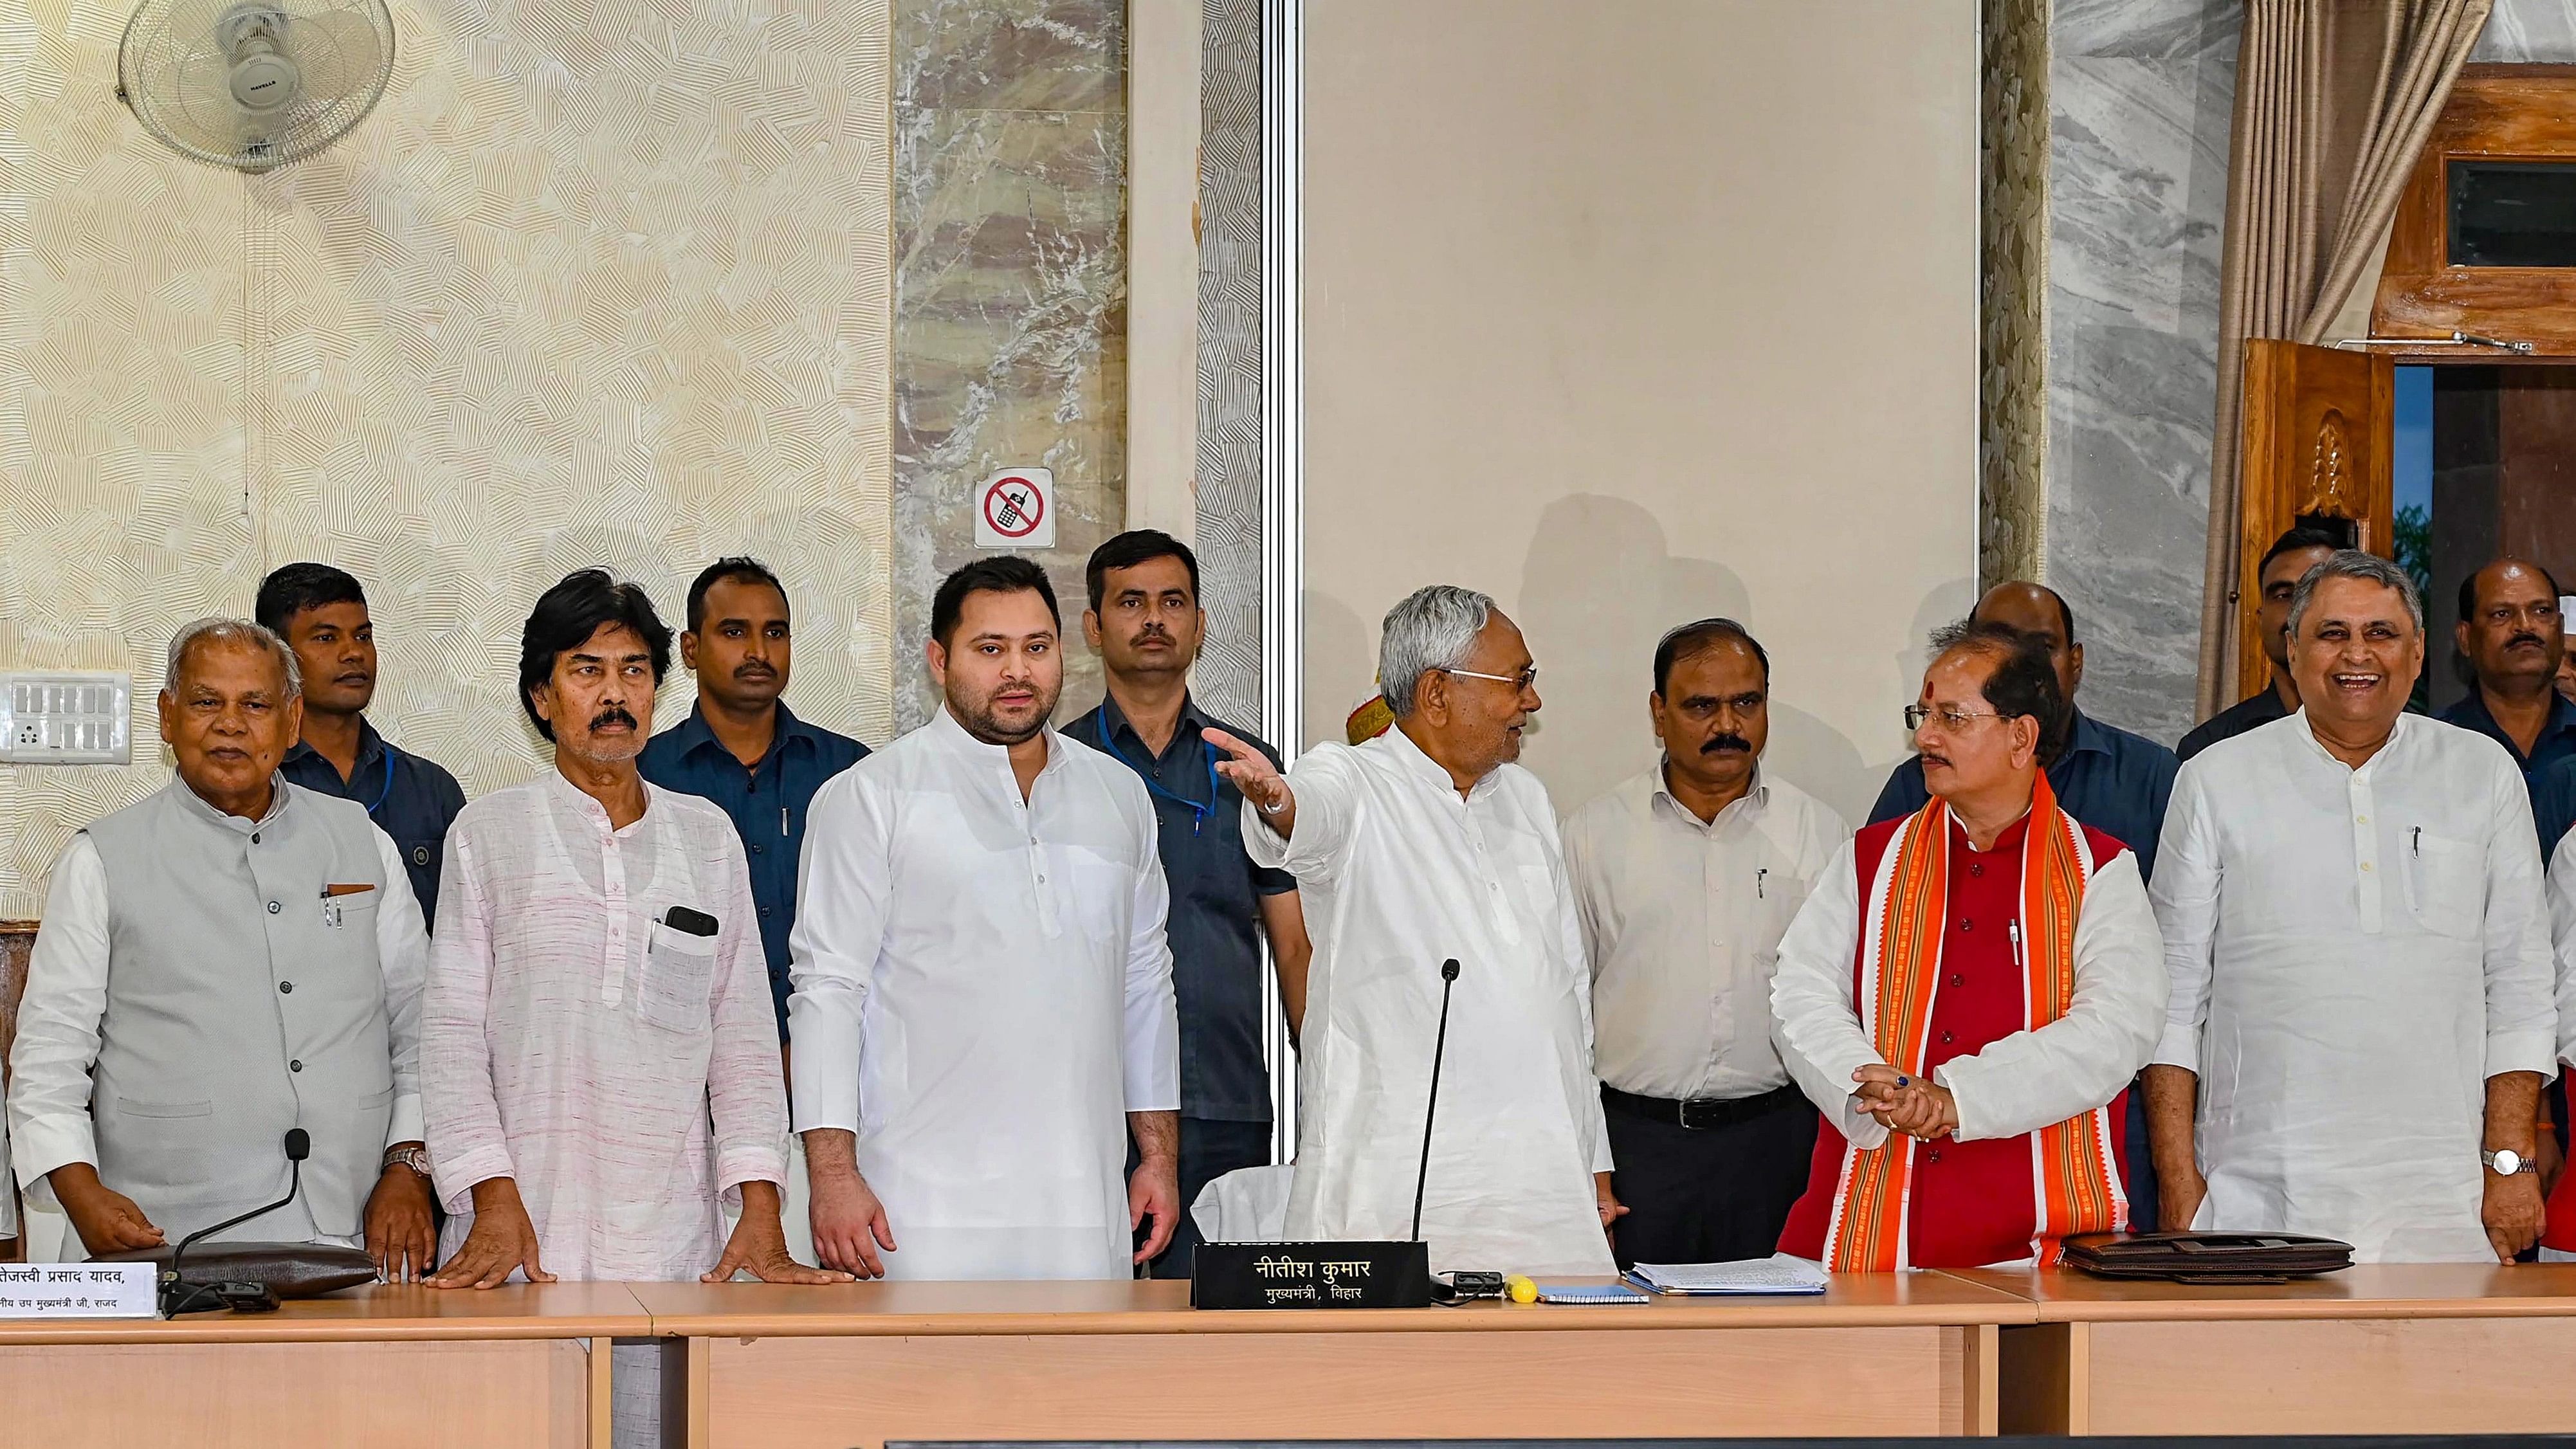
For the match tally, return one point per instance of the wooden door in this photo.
(2318, 450)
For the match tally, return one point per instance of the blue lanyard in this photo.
(386, 793)
(1198, 813)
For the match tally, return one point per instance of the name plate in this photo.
(1311, 1275)
(78, 1290)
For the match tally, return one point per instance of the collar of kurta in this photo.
(1408, 756)
(2406, 724)
(948, 731)
(278, 791)
(591, 810)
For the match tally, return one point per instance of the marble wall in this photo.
(2139, 93)
(1010, 292)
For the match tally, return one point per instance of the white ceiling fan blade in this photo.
(338, 52)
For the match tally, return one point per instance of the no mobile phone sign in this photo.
(1015, 508)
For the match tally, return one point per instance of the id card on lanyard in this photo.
(1199, 813)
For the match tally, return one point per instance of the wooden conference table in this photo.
(2446, 1349)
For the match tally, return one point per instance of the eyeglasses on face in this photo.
(1951, 719)
(1525, 680)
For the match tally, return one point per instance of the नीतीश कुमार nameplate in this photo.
(77, 1290)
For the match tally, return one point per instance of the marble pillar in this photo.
(1010, 305)
(2140, 94)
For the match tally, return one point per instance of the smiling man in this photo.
(983, 1009)
(2362, 1004)
(1684, 878)
(599, 1059)
(1425, 844)
(227, 959)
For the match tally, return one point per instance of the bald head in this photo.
(2509, 628)
(2027, 608)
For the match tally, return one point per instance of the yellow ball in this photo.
(1521, 1289)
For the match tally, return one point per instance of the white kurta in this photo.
(982, 993)
(1399, 874)
(623, 1072)
(2353, 953)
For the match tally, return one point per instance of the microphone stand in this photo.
(1439, 1048)
(180, 1296)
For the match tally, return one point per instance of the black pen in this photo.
(2417, 845)
(1757, 881)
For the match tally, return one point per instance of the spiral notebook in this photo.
(1590, 1293)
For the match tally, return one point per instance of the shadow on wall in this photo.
(1600, 587)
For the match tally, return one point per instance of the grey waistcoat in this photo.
(236, 1009)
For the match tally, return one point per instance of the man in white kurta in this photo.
(599, 1055)
(982, 989)
(2361, 969)
(1402, 868)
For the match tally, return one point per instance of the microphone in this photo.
(299, 1146)
(1439, 1048)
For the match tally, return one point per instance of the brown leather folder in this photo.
(2207, 1257)
(290, 1270)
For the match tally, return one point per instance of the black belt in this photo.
(1702, 1114)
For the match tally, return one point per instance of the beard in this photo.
(985, 723)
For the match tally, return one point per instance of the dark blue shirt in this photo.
(2557, 741)
(2108, 778)
(2250, 713)
(767, 805)
(409, 798)
(2553, 806)
(1216, 957)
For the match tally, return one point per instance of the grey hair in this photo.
(1434, 628)
(2352, 563)
(220, 630)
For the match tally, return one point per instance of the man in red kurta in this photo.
(1967, 993)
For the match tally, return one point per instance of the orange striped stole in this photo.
(2073, 1181)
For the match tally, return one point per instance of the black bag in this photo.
(289, 1270)
(2207, 1257)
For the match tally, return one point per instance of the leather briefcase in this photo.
(2206, 1257)
(289, 1270)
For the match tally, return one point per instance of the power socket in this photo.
(60, 718)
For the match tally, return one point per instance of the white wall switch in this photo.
(66, 718)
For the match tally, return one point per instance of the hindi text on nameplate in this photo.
(77, 1290)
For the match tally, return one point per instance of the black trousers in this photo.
(1712, 1195)
(1209, 1150)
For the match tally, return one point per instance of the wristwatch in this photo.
(2508, 1163)
(415, 1158)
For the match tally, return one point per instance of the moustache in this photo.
(1719, 742)
(754, 671)
(1933, 759)
(2534, 640)
(614, 714)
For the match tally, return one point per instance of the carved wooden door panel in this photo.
(2319, 450)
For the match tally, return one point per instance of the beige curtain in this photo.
(2334, 99)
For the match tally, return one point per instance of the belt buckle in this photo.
(1690, 1123)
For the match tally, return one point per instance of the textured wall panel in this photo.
(1228, 678)
(1010, 349)
(594, 284)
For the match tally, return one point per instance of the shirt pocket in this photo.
(679, 976)
(2446, 885)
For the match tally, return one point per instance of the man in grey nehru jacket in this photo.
(226, 960)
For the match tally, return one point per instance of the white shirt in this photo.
(1682, 922)
(623, 1072)
(983, 992)
(1398, 875)
(2016, 1084)
(2354, 952)
(61, 1016)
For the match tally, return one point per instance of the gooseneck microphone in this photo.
(1439, 1048)
(177, 1295)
